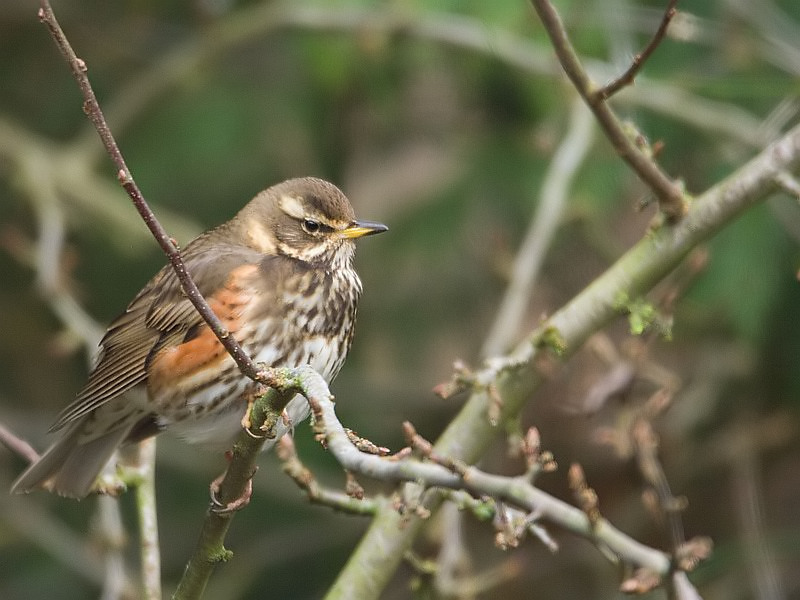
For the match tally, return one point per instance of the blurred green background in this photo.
(438, 118)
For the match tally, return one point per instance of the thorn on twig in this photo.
(543, 536)
(788, 183)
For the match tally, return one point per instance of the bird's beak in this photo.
(358, 229)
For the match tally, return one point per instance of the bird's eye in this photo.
(310, 226)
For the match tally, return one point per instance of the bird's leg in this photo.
(246, 422)
(250, 398)
(239, 503)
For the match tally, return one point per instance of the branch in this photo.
(445, 472)
(148, 523)
(515, 378)
(670, 196)
(316, 493)
(210, 551)
(95, 114)
(628, 76)
(257, 21)
(550, 208)
(17, 445)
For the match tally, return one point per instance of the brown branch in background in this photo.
(628, 76)
(95, 114)
(670, 195)
(646, 448)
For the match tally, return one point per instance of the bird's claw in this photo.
(218, 508)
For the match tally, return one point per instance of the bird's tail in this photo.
(71, 465)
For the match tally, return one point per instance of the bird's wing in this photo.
(159, 316)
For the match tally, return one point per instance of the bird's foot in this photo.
(223, 508)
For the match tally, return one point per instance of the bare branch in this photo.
(629, 75)
(316, 493)
(670, 196)
(92, 109)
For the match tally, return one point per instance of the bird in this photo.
(280, 278)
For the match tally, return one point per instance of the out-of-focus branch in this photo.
(646, 449)
(670, 196)
(515, 378)
(762, 564)
(33, 523)
(110, 536)
(458, 31)
(43, 169)
(531, 254)
(148, 523)
(17, 445)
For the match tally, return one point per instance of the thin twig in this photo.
(670, 196)
(110, 536)
(629, 75)
(17, 445)
(319, 494)
(646, 447)
(92, 109)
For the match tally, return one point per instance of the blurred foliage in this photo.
(448, 145)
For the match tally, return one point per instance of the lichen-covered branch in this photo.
(210, 549)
